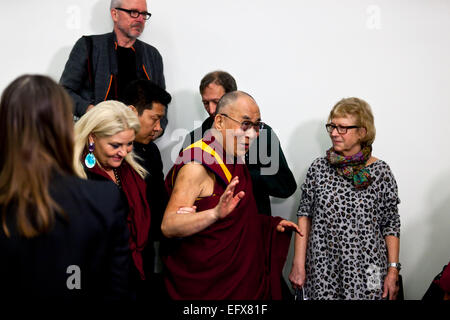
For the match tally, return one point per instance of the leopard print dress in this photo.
(347, 256)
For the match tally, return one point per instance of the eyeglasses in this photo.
(245, 125)
(135, 13)
(340, 129)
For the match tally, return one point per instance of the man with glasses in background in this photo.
(100, 67)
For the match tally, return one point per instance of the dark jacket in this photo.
(92, 236)
(104, 70)
(157, 196)
(280, 184)
(147, 252)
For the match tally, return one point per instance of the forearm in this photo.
(393, 249)
(301, 243)
(186, 224)
(391, 287)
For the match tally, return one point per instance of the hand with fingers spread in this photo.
(285, 224)
(228, 201)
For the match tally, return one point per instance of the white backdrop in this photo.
(297, 58)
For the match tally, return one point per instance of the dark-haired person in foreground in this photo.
(61, 237)
(219, 247)
(150, 102)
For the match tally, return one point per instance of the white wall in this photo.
(297, 58)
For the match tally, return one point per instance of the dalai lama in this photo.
(218, 246)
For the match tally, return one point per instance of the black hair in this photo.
(142, 93)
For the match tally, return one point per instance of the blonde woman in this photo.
(348, 211)
(103, 151)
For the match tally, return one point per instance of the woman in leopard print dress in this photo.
(348, 212)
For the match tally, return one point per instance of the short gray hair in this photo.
(362, 112)
(115, 4)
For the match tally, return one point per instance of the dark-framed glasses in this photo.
(135, 14)
(246, 124)
(340, 129)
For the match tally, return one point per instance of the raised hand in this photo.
(228, 201)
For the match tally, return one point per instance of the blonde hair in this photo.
(105, 120)
(362, 112)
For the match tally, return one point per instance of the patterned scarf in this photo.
(352, 167)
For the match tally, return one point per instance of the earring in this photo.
(89, 161)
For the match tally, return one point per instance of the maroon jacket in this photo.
(238, 257)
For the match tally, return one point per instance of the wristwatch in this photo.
(395, 265)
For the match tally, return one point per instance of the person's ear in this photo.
(362, 133)
(133, 108)
(114, 13)
(91, 138)
(219, 123)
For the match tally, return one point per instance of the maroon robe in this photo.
(238, 257)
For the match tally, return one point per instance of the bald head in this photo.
(229, 101)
